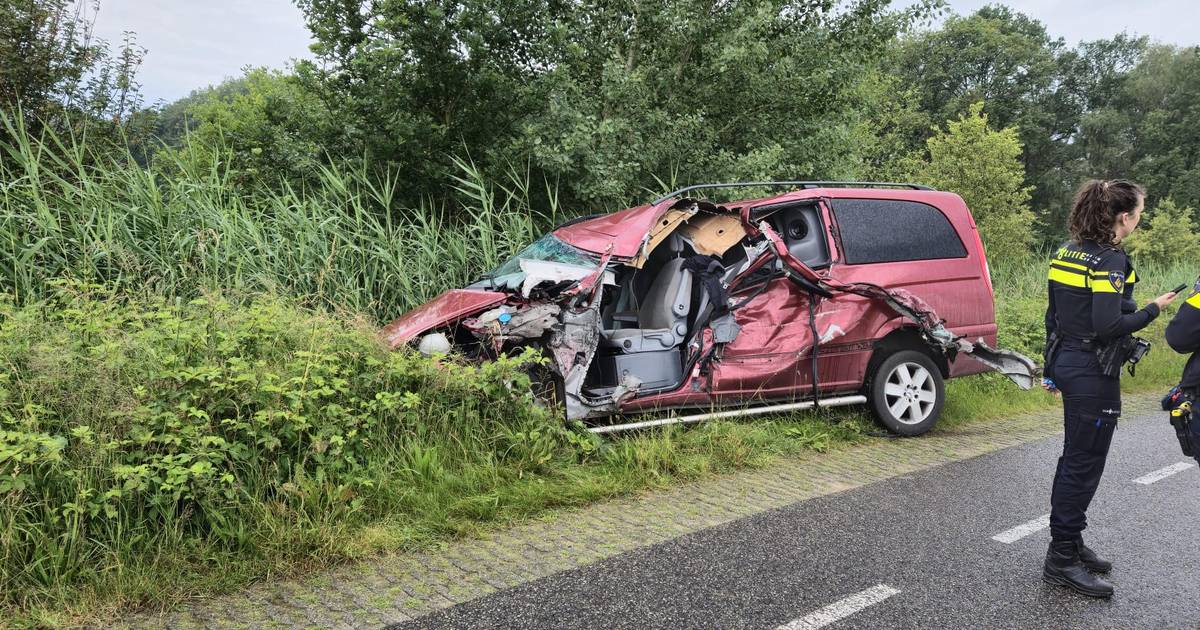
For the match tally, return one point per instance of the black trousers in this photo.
(1091, 407)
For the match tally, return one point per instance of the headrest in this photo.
(675, 243)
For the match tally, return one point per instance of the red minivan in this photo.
(834, 293)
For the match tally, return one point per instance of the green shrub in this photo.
(1168, 237)
(1022, 323)
(133, 428)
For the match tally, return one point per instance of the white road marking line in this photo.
(841, 609)
(1020, 531)
(1163, 473)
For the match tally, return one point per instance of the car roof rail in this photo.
(798, 184)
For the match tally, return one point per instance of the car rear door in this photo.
(914, 246)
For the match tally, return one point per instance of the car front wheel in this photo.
(907, 393)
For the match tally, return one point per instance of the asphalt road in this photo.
(915, 551)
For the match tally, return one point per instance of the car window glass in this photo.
(548, 248)
(889, 230)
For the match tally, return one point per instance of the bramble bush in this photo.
(132, 426)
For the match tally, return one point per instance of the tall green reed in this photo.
(180, 227)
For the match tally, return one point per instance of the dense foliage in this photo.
(1167, 235)
(601, 97)
(609, 103)
(129, 427)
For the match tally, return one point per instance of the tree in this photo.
(890, 127)
(1088, 80)
(175, 119)
(57, 74)
(1027, 80)
(266, 126)
(603, 98)
(1150, 131)
(998, 56)
(414, 82)
(984, 167)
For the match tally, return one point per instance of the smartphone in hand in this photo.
(1181, 287)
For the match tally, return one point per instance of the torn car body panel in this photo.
(622, 233)
(687, 303)
(441, 310)
(764, 361)
(714, 234)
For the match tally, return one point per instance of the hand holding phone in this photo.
(1164, 300)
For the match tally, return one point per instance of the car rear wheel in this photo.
(907, 393)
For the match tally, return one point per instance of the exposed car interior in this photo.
(651, 314)
(647, 322)
(801, 228)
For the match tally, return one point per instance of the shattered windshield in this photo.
(549, 249)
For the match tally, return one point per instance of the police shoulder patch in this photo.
(1117, 279)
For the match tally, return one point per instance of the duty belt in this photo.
(1078, 343)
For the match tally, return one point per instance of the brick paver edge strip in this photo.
(401, 587)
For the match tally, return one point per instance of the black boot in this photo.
(1091, 561)
(1064, 569)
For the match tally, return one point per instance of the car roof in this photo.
(621, 233)
(794, 185)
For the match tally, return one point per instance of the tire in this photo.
(907, 393)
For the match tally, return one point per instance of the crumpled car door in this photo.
(763, 361)
(1018, 368)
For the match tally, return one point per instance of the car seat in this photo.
(662, 319)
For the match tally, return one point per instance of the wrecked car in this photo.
(832, 293)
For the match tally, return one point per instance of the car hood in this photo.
(441, 310)
(623, 231)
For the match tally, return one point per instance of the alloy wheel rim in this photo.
(910, 393)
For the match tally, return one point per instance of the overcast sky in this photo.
(195, 43)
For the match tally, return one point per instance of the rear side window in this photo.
(889, 230)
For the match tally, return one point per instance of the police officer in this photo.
(1091, 306)
(1183, 335)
